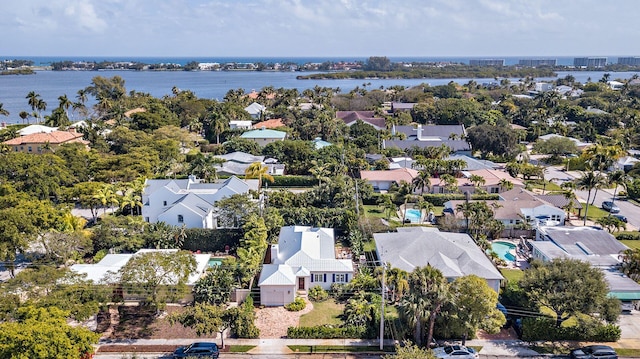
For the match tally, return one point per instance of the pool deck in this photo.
(521, 260)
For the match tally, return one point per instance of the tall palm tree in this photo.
(24, 115)
(259, 171)
(589, 181)
(616, 178)
(428, 294)
(130, 199)
(505, 185)
(3, 111)
(64, 103)
(450, 183)
(422, 181)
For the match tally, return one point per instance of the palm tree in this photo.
(205, 167)
(616, 178)
(24, 115)
(130, 199)
(428, 294)
(422, 181)
(107, 196)
(588, 182)
(3, 111)
(505, 185)
(450, 182)
(64, 103)
(477, 180)
(259, 171)
(320, 172)
(33, 99)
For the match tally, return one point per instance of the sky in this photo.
(319, 28)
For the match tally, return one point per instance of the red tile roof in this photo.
(272, 123)
(397, 175)
(55, 137)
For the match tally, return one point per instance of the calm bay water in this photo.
(205, 84)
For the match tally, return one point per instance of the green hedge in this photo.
(326, 332)
(535, 329)
(297, 305)
(439, 199)
(628, 236)
(212, 240)
(293, 181)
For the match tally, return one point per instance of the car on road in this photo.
(198, 350)
(621, 217)
(609, 206)
(455, 351)
(594, 351)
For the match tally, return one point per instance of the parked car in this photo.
(198, 350)
(455, 351)
(594, 351)
(610, 207)
(621, 217)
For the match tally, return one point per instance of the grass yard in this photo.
(633, 244)
(327, 312)
(512, 275)
(240, 348)
(376, 211)
(548, 187)
(594, 212)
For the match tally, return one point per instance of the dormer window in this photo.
(180, 218)
(164, 203)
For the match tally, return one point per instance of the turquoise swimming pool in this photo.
(504, 249)
(214, 262)
(414, 215)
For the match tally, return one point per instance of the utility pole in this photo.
(382, 310)
(357, 202)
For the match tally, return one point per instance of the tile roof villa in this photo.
(36, 142)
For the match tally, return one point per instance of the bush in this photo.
(317, 294)
(535, 329)
(297, 305)
(628, 236)
(439, 199)
(326, 332)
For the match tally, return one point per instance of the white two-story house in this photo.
(188, 202)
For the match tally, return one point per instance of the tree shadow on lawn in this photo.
(135, 322)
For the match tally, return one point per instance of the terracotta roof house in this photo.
(271, 124)
(41, 142)
(303, 258)
(492, 179)
(382, 180)
(134, 111)
(368, 117)
(421, 136)
(264, 136)
(454, 254)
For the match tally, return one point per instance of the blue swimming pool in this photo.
(414, 215)
(214, 262)
(504, 250)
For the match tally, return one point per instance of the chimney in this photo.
(419, 132)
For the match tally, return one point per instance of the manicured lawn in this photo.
(241, 348)
(634, 244)
(512, 275)
(594, 212)
(548, 187)
(376, 211)
(327, 312)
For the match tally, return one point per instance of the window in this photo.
(555, 217)
(15, 148)
(495, 189)
(340, 278)
(318, 278)
(146, 219)
(164, 203)
(180, 219)
(29, 148)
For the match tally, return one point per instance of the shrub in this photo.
(211, 240)
(628, 236)
(535, 329)
(317, 294)
(297, 305)
(99, 255)
(326, 332)
(293, 181)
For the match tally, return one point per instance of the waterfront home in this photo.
(304, 257)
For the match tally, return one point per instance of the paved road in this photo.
(628, 209)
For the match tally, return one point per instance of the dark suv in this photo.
(198, 350)
(594, 351)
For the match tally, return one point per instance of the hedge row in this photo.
(326, 332)
(628, 236)
(293, 181)
(212, 240)
(535, 329)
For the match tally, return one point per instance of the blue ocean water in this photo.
(208, 84)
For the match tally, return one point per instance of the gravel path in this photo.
(274, 321)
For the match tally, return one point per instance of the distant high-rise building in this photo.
(590, 61)
(537, 62)
(487, 62)
(631, 61)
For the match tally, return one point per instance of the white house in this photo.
(264, 136)
(255, 110)
(454, 254)
(188, 202)
(237, 162)
(242, 125)
(303, 258)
